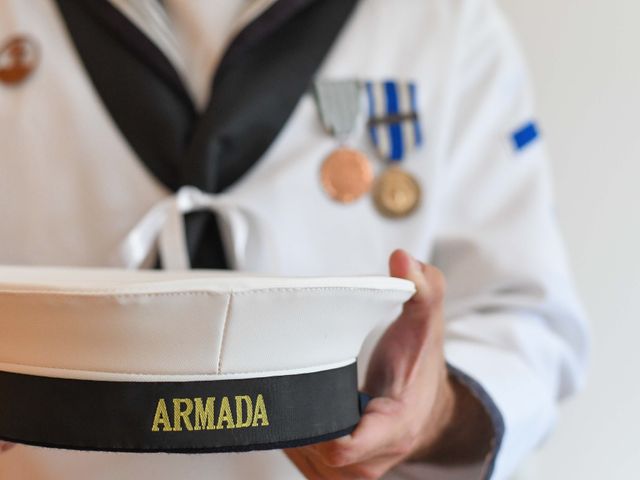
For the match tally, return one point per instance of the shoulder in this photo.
(423, 23)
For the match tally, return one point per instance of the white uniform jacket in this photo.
(73, 186)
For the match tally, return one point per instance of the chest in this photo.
(71, 187)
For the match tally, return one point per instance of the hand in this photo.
(415, 413)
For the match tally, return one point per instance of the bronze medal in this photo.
(346, 175)
(396, 193)
(18, 60)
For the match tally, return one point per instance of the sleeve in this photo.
(514, 326)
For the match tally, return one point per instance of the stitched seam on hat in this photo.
(114, 294)
(223, 333)
(316, 289)
(279, 372)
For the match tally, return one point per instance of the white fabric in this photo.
(203, 29)
(153, 21)
(165, 224)
(192, 34)
(71, 190)
(158, 325)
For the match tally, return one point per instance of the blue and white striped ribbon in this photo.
(400, 133)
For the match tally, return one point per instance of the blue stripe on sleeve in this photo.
(395, 129)
(526, 135)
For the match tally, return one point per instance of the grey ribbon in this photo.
(338, 104)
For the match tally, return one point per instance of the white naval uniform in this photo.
(71, 189)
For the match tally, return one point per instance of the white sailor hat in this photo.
(203, 361)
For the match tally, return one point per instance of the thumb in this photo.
(400, 351)
(428, 280)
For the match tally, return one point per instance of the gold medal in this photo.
(346, 175)
(396, 193)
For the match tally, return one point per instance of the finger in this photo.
(429, 281)
(414, 324)
(400, 353)
(377, 436)
(312, 467)
(403, 265)
(313, 470)
(302, 463)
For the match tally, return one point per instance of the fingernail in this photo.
(415, 264)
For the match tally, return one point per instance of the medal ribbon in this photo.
(394, 124)
(338, 103)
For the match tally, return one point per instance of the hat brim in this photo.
(183, 362)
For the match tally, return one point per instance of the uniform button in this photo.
(18, 60)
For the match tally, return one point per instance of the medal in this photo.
(18, 60)
(396, 193)
(395, 131)
(346, 174)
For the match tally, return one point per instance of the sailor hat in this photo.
(204, 361)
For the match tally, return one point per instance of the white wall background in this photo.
(585, 60)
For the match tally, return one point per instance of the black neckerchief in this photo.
(262, 75)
